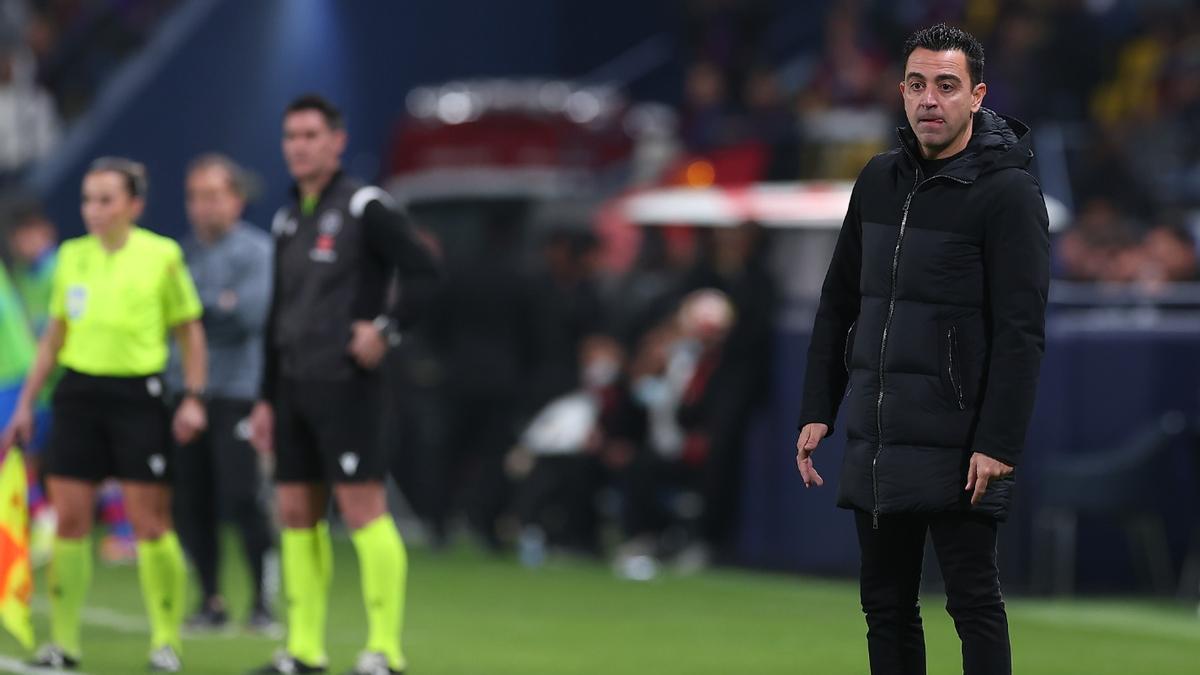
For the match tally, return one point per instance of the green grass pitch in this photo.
(471, 614)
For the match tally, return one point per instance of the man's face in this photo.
(213, 205)
(310, 147)
(939, 100)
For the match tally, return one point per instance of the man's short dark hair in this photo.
(331, 113)
(941, 38)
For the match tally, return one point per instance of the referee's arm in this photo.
(391, 234)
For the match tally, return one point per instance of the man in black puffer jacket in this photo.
(933, 312)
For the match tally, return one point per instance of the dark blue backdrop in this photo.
(1097, 387)
(225, 89)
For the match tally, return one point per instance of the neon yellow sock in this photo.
(324, 554)
(163, 573)
(307, 556)
(70, 577)
(384, 565)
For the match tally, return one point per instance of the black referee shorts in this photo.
(329, 431)
(110, 427)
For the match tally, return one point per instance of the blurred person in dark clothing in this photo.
(414, 386)
(707, 121)
(1102, 245)
(1172, 252)
(768, 118)
(735, 265)
(569, 310)
(651, 291)
(218, 476)
(484, 327)
(562, 456)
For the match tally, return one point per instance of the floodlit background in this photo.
(593, 462)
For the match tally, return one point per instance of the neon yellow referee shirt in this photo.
(120, 306)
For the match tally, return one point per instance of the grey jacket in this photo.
(233, 278)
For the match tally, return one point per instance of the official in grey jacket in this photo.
(218, 474)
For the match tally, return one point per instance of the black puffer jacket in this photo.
(933, 311)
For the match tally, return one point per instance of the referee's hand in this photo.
(19, 430)
(368, 346)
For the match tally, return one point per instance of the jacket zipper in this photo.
(951, 347)
(887, 324)
(917, 183)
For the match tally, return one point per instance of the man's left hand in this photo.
(190, 420)
(367, 345)
(983, 470)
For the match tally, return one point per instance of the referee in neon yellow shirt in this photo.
(117, 293)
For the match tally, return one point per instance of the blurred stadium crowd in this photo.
(549, 403)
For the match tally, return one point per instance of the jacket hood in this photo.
(997, 142)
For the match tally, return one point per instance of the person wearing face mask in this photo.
(561, 458)
(117, 292)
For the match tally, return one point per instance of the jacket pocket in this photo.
(954, 369)
(847, 352)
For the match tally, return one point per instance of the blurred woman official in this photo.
(117, 293)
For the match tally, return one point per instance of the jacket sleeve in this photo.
(391, 234)
(271, 370)
(1016, 258)
(254, 285)
(825, 375)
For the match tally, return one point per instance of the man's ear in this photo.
(977, 95)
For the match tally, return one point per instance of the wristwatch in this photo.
(200, 394)
(387, 328)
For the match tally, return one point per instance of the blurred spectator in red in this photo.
(678, 382)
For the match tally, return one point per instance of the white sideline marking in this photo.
(104, 618)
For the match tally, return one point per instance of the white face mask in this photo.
(650, 391)
(600, 373)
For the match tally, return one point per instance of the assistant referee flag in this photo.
(16, 578)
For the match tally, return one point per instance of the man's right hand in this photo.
(806, 445)
(262, 427)
(19, 430)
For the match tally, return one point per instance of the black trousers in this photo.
(559, 495)
(217, 476)
(890, 585)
